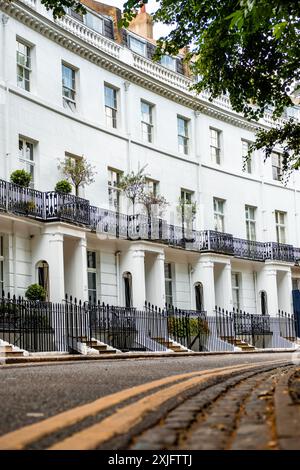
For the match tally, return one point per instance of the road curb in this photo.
(51, 359)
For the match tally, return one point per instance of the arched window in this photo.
(42, 268)
(199, 296)
(127, 279)
(263, 302)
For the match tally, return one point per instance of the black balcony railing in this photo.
(51, 206)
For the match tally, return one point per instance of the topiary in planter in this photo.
(21, 178)
(35, 292)
(63, 187)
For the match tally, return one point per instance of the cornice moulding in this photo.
(58, 34)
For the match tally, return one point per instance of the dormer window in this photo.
(168, 62)
(89, 19)
(94, 22)
(137, 46)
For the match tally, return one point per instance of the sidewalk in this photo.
(54, 358)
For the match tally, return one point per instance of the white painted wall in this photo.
(41, 117)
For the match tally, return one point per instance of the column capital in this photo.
(271, 272)
(207, 264)
(82, 242)
(127, 85)
(161, 257)
(4, 19)
(56, 237)
(139, 254)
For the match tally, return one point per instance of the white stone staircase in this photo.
(9, 350)
(86, 346)
(171, 345)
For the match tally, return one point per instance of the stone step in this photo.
(6, 348)
(12, 354)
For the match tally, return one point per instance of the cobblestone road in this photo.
(230, 407)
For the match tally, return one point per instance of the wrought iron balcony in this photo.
(51, 206)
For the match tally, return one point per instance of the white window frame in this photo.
(93, 271)
(215, 145)
(236, 290)
(152, 186)
(169, 62)
(23, 62)
(86, 21)
(134, 40)
(186, 196)
(250, 222)
(248, 164)
(147, 126)
(169, 279)
(219, 217)
(280, 226)
(69, 93)
(28, 164)
(276, 168)
(111, 112)
(114, 193)
(183, 139)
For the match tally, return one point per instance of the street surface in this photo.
(249, 401)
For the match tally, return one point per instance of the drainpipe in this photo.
(191, 270)
(4, 21)
(295, 212)
(255, 289)
(127, 127)
(199, 218)
(117, 255)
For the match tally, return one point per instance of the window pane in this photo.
(168, 61)
(137, 46)
(68, 77)
(94, 22)
(110, 97)
(91, 259)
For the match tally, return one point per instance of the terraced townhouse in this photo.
(81, 86)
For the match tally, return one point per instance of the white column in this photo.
(55, 260)
(204, 273)
(284, 286)
(80, 288)
(271, 289)
(138, 279)
(227, 287)
(156, 282)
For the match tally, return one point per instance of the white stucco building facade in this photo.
(122, 111)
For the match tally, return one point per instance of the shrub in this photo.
(63, 187)
(185, 326)
(21, 178)
(35, 292)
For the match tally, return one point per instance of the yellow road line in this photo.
(26, 435)
(125, 418)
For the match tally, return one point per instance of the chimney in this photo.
(108, 10)
(142, 24)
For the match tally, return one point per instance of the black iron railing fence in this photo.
(186, 327)
(254, 329)
(45, 326)
(50, 206)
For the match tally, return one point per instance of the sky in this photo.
(152, 5)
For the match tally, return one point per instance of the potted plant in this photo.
(78, 171)
(152, 201)
(63, 187)
(35, 292)
(22, 178)
(186, 211)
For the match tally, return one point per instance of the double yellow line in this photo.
(122, 420)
